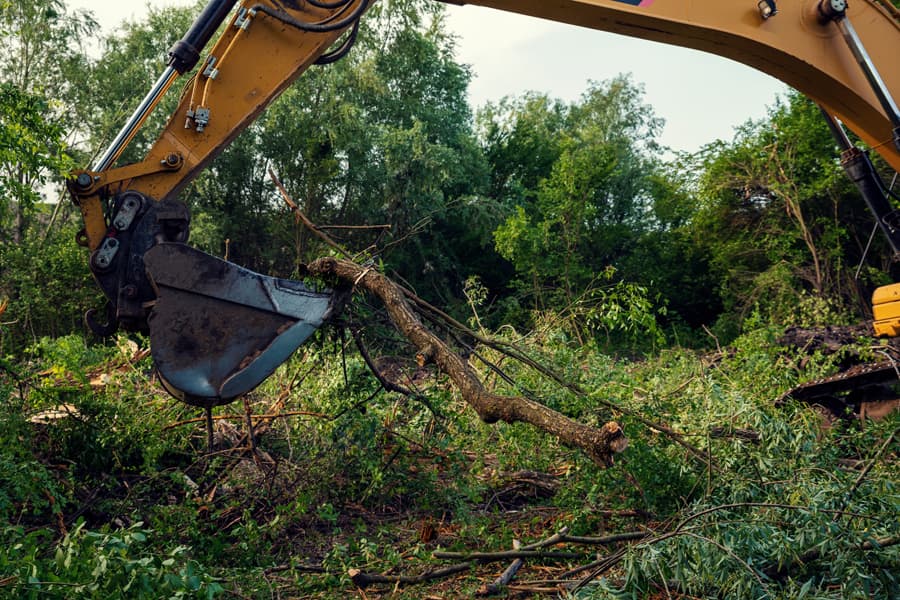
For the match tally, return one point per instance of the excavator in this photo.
(218, 330)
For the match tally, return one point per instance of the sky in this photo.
(702, 97)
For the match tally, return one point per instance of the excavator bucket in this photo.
(218, 330)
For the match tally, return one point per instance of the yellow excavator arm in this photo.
(266, 45)
(800, 42)
(218, 330)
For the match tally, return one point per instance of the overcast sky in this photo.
(701, 97)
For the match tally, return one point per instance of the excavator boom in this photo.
(796, 43)
(218, 330)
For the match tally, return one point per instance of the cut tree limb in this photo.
(534, 550)
(362, 579)
(600, 444)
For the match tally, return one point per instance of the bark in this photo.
(600, 444)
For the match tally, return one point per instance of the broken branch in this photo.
(489, 557)
(298, 214)
(363, 580)
(533, 550)
(505, 578)
(257, 418)
(600, 444)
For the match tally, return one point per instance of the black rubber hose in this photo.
(338, 54)
(337, 4)
(313, 27)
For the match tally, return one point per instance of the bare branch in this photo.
(298, 214)
(363, 580)
(489, 557)
(257, 418)
(507, 576)
(353, 227)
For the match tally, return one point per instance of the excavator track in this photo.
(855, 378)
(858, 387)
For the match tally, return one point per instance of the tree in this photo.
(522, 140)
(668, 258)
(107, 90)
(585, 213)
(42, 275)
(41, 42)
(779, 215)
(31, 151)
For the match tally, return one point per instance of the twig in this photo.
(367, 358)
(248, 419)
(300, 568)
(388, 226)
(599, 567)
(605, 540)
(530, 589)
(258, 418)
(210, 438)
(387, 384)
(489, 557)
(746, 435)
(302, 217)
(562, 537)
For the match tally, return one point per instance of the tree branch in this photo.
(600, 444)
(362, 579)
(507, 576)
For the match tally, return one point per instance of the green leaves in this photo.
(99, 564)
(779, 217)
(31, 151)
(588, 168)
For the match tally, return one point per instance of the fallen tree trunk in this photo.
(600, 444)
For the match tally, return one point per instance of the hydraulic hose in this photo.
(315, 27)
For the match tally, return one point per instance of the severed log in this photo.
(600, 444)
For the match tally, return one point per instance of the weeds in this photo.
(109, 500)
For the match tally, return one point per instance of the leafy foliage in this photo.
(779, 216)
(42, 274)
(90, 564)
(31, 151)
(559, 222)
(358, 471)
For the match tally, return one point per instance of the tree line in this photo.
(529, 210)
